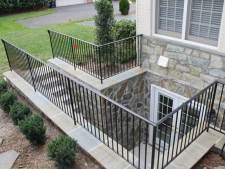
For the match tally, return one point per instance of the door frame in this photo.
(155, 90)
(153, 115)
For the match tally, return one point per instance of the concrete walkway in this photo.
(69, 13)
(99, 151)
(131, 17)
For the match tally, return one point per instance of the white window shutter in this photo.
(171, 15)
(206, 18)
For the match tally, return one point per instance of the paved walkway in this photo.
(68, 13)
(131, 17)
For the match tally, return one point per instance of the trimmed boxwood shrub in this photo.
(3, 86)
(124, 7)
(124, 29)
(33, 128)
(63, 150)
(104, 21)
(19, 112)
(6, 100)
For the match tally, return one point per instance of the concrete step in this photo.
(195, 151)
(7, 159)
(91, 80)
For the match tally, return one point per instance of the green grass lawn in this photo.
(36, 40)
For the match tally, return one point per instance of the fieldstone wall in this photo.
(129, 93)
(194, 67)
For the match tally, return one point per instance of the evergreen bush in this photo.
(9, 6)
(33, 128)
(19, 112)
(6, 100)
(104, 21)
(63, 150)
(124, 29)
(124, 6)
(3, 86)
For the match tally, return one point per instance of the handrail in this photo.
(200, 108)
(121, 40)
(97, 45)
(88, 87)
(73, 37)
(101, 61)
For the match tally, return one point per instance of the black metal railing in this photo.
(113, 124)
(101, 61)
(176, 131)
(143, 143)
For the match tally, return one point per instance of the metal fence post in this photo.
(100, 62)
(49, 33)
(74, 61)
(212, 104)
(140, 49)
(7, 55)
(71, 101)
(153, 147)
(31, 72)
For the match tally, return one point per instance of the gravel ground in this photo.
(32, 157)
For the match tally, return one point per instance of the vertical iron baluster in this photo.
(93, 111)
(146, 143)
(111, 122)
(217, 114)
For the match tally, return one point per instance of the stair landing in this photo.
(196, 150)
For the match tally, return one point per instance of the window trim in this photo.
(185, 29)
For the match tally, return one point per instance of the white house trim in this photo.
(221, 42)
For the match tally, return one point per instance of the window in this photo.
(165, 106)
(202, 19)
(171, 16)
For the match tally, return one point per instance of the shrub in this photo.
(124, 29)
(104, 21)
(124, 7)
(19, 112)
(8, 6)
(63, 151)
(6, 100)
(3, 86)
(33, 128)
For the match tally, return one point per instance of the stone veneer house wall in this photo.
(191, 34)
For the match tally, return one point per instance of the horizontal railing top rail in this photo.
(73, 37)
(100, 60)
(94, 44)
(85, 85)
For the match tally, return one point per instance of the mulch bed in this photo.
(210, 161)
(32, 157)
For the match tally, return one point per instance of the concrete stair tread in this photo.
(90, 80)
(194, 152)
(7, 159)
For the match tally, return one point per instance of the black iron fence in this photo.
(142, 143)
(116, 126)
(101, 61)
